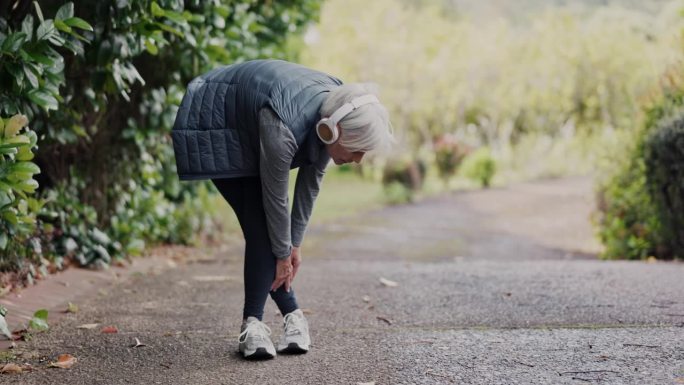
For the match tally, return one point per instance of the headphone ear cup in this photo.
(326, 133)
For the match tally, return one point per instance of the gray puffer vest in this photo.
(216, 133)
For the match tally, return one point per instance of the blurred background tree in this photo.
(535, 88)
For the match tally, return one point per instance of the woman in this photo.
(244, 126)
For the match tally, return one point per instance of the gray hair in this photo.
(367, 128)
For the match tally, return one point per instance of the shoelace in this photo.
(255, 329)
(293, 324)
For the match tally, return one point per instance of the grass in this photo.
(342, 194)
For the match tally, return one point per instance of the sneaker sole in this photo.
(259, 354)
(294, 348)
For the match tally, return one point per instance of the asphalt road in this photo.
(494, 287)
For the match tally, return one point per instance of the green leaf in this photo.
(77, 22)
(39, 320)
(32, 78)
(3, 241)
(2, 128)
(13, 42)
(17, 71)
(66, 11)
(62, 26)
(6, 188)
(27, 167)
(24, 154)
(39, 12)
(175, 17)
(16, 141)
(170, 29)
(27, 27)
(40, 58)
(151, 48)
(10, 216)
(56, 40)
(157, 11)
(28, 186)
(46, 30)
(43, 99)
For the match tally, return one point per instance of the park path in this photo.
(494, 287)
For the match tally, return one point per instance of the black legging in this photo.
(244, 196)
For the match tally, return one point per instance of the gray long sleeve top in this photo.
(277, 150)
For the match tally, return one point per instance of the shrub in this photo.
(449, 155)
(103, 99)
(631, 216)
(480, 166)
(664, 170)
(17, 208)
(402, 178)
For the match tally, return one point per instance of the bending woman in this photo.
(244, 126)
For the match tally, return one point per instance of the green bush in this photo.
(480, 166)
(103, 99)
(631, 217)
(664, 161)
(17, 208)
(449, 155)
(628, 224)
(402, 178)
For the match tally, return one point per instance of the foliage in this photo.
(102, 100)
(17, 208)
(402, 178)
(449, 153)
(554, 75)
(480, 166)
(630, 218)
(39, 321)
(664, 161)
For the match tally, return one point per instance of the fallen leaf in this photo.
(64, 361)
(102, 292)
(213, 278)
(39, 320)
(11, 368)
(109, 330)
(71, 308)
(87, 326)
(307, 311)
(384, 319)
(388, 282)
(137, 343)
(366, 298)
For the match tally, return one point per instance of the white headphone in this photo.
(327, 129)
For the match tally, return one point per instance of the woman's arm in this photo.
(307, 187)
(277, 149)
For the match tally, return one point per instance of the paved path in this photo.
(494, 287)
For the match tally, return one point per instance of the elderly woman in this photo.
(244, 126)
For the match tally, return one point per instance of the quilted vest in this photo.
(216, 132)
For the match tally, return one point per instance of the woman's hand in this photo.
(296, 261)
(283, 274)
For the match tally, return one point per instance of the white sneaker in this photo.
(254, 341)
(295, 337)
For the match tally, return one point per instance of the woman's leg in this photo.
(244, 196)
